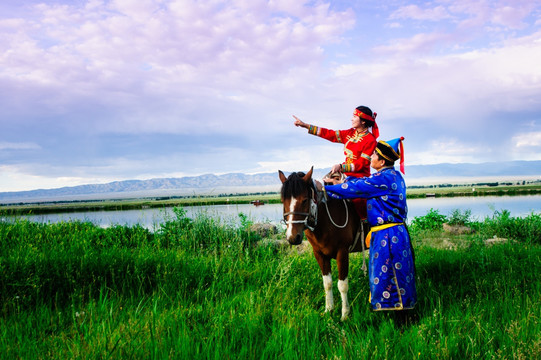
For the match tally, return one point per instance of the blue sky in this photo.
(94, 91)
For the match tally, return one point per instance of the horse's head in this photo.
(297, 195)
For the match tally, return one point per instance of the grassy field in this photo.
(145, 203)
(198, 289)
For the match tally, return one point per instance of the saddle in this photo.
(337, 178)
(334, 178)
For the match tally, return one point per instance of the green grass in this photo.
(199, 289)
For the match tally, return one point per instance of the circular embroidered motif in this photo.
(384, 268)
(386, 294)
(394, 239)
(398, 266)
(383, 243)
(376, 281)
(344, 186)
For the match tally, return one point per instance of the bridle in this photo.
(310, 217)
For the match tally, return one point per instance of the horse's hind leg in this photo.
(342, 261)
(325, 266)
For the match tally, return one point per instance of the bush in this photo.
(433, 220)
(501, 224)
(459, 218)
(172, 230)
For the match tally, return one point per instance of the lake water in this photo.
(480, 207)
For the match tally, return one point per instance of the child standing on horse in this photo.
(392, 267)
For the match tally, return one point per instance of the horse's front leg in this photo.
(325, 266)
(342, 260)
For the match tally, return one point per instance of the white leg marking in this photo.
(289, 231)
(327, 285)
(343, 287)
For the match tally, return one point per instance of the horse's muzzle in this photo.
(296, 240)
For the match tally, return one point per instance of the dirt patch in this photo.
(495, 240)
(457, 229)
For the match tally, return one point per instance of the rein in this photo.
(330, 217)
(310, 218)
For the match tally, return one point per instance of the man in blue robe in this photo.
(392, 268)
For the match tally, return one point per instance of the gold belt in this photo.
(376, 229)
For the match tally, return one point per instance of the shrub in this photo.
(457, 217)
(501, 224)
(433, 220)
(172, 230)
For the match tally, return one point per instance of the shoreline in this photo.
(413, 192)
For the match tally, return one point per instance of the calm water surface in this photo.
(481, 207)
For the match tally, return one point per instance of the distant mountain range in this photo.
(236, 183)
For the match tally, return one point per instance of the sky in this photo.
(95, 91)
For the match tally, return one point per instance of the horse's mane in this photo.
(294, 185)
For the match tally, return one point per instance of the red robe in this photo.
(358, 147)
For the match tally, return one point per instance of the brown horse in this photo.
(332, 227)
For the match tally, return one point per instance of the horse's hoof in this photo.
(345, 316)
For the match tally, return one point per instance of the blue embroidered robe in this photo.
(392, 269)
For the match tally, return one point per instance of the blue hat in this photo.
(392, 150)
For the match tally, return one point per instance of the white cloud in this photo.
(527, 140)
(176, 55)
(446, 151)
(15, 178)
(221, 70)
(414, 12)
(462, 88)
(18, 146)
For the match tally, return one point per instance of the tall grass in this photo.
(199, 289)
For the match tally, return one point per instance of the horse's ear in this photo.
(282, 176)
(308, 175)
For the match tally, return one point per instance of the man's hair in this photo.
(387, 162)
